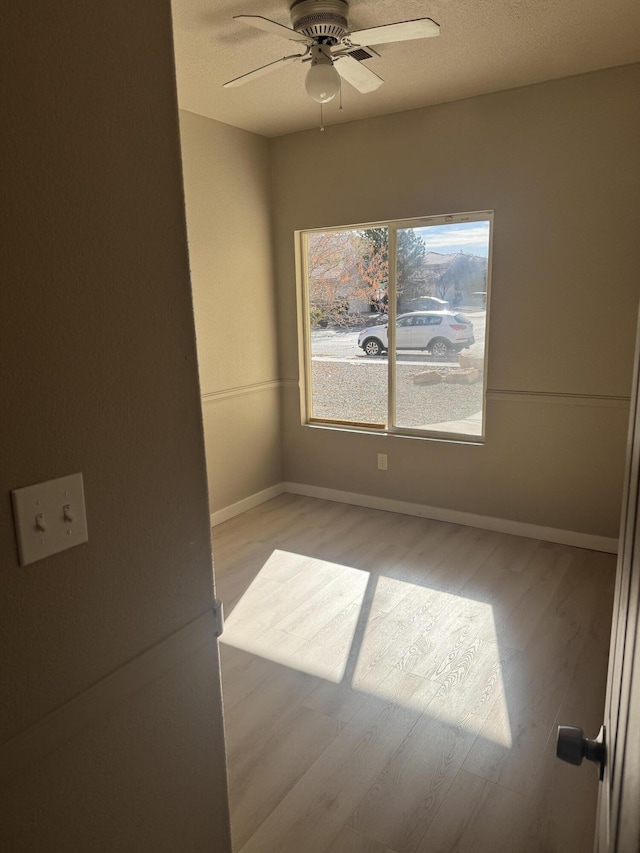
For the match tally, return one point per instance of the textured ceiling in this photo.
(483, 47)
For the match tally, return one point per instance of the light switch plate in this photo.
(49, 517)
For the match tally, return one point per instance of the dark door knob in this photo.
(573, 746)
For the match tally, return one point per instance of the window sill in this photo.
(361, 429)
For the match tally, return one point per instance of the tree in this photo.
(409, 264)
(461, 277)
(442, 282)
(374, 266)
(333, 267)
(331, 254)
(411, 279)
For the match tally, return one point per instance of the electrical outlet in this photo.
(49, 517)
(382, 461)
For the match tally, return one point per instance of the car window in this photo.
(434, 321)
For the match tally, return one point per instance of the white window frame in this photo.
(304, 329)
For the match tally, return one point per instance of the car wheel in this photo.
(372, 346)
(440, 347)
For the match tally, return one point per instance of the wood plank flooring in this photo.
(393, 684)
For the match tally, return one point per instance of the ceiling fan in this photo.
(333, 51)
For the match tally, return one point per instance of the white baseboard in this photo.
(231, 511)
(486, 522)
(453, 516)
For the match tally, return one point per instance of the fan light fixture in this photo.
(323, 81)
(320, 28)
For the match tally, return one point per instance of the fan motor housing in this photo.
(325, 21)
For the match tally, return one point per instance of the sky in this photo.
(469, 237)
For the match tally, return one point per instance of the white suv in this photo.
(438, 332)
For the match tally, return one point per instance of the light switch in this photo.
(49, 517)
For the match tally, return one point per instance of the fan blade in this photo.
(260, 72)
(272, 27)
(358, 75)
(421, 28)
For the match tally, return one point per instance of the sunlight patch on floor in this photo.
(341, 624)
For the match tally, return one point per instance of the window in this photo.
(395, 322)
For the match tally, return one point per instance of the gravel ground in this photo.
(357, 391)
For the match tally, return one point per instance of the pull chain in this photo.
(341, 94)
(321, 120)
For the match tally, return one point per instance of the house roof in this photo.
(438, 259)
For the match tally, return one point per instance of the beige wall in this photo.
(559, 165)
(98, 374)
(228, 201)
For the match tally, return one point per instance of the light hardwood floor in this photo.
(393, 684)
